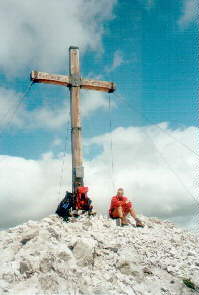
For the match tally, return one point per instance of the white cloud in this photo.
(9, 101)
(29, 188)
(45, 116)
(38, 33)
(118, 60)
(48, 117)
(189, 13)
(15, 113)
(92, 101)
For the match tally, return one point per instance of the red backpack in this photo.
(82, 199)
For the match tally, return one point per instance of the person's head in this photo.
(120, 192)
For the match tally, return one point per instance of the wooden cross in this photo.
(75, 82)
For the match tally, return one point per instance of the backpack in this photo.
(82, 200)
(64, 207)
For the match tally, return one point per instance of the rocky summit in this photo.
(94, 256)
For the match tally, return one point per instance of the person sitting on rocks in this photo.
(120, 207)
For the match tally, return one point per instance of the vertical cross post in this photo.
(76, 145)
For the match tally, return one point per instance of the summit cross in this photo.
(75, 82)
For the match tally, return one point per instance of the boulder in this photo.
(83, 251)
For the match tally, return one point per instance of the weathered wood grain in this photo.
(41, 77)
(97, 85)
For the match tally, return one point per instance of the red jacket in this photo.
(116, 202)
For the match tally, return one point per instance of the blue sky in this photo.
(147, 47)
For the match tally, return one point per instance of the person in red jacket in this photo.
(120, 207)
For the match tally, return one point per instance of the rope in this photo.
(170, 168)
(62, 164)
(157, 126)
(166, 162)
(16, 108)
(63, 160)
(111, 142)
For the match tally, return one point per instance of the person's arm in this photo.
(126, 201)
(115, 202)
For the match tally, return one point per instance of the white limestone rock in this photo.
(94, 256)
(83, 251)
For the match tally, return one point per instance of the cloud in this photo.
(39, 33)
(10, 104)
(14, 112)
(30, 188)
(189, 13)
(118, 60)
(92, 101)
(142, 171)
(45, 116)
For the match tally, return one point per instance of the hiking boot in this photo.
(139, 223)
(92, 213)
(124, 224)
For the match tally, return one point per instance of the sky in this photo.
(145, 142)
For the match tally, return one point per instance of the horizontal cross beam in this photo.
(41, 77)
